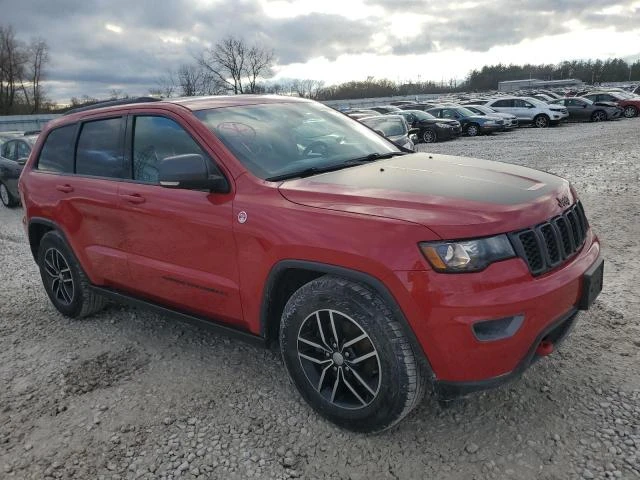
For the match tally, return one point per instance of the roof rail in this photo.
(112, 103)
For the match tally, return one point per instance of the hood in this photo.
(455, 197)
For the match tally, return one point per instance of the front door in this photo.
(180, 246)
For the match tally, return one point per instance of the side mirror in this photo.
(189, 171)
(22, 161)
(379, 132)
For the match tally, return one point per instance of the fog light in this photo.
(491, 330)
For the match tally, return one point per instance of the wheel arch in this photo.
(288, 275)
(38, 227)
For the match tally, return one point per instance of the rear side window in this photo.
(502, 103)
(100, 151)
(9, 150)
(57, 152)
(154, 139)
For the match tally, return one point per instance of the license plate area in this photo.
(591, 284)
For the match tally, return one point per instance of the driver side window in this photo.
(154, 139)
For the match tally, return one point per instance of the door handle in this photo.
(64, 188)
(133, 198)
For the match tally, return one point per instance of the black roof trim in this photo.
(112, 103)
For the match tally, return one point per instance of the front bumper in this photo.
(490, 128)
(444, 308)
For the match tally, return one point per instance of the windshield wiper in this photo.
(372, 157)
(307, 172)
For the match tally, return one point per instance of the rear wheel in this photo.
(64, 281)
(541, 121)
(598, 116)
(348, 355)
(630, 111)
(5, 196)
(473, 130)
(429, 136)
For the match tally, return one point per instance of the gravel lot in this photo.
(127, 394)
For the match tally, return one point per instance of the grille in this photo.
(553, 242)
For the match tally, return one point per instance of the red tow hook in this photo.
(545, 348)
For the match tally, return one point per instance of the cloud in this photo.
(97, 45)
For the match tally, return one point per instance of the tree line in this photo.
(592, 72)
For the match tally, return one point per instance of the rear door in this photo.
(180, 245)
(505, 105)
(523, 109)
(76, 182)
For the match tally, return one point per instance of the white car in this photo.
(530, 110)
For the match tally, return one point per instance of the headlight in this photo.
(443, 125)
(467, 255)
(490, 122)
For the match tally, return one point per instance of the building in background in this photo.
(532, 83)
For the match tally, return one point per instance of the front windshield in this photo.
(389, 126)
(281, 138)
(420, 115)
(483, 109)
(465, 112)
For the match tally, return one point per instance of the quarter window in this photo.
(502, 103)
(154, 139)
(57, 152)
(99, 151)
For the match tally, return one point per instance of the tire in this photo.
(429, 136)
(333, 381)
(473, 130)
(541, 121)
(64, 280)
(630, 111)
(5, 196)
(598, 116)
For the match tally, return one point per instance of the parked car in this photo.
(399, 103)
(529, 110)
(584, 109)
(472, 124)
(419, 106)
(394, 127)
(362, 113)
(373, 270)
(385, 109)
(629, 103)
(510, 120)
(13, 155)
(431, 129)
(636, 90)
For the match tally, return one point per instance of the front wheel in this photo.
(6, 197)
(630, 111)
(348, 356)
(541, 121)
(598, 116)
(473, 130)
(429, 136)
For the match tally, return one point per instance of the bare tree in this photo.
(236, 65)
(38, 57)
(13, 58)
(306, 88)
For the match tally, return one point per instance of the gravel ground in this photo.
(128, 394)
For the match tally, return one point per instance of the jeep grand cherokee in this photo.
(376, 271)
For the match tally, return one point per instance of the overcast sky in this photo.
(99, 45)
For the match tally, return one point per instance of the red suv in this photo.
(375, 270)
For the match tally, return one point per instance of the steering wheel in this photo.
(317, 148)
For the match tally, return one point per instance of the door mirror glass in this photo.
(189, 171)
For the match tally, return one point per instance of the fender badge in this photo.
(563, 201)
(242, 217)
